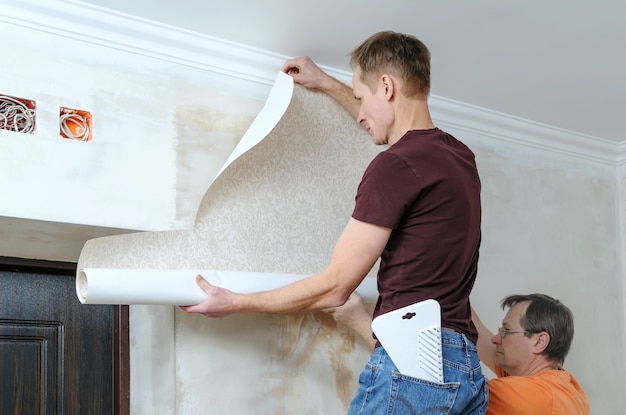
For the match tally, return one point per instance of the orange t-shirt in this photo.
(550, 392)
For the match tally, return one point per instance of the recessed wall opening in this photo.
(17, 114)
(75, 124)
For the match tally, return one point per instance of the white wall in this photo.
(166, 112)
(621, 242)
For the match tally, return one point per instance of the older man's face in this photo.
(514, 351)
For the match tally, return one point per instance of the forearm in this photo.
(355, 315)
(364, 329)
(486, 349)
(309, 75)
(314, 293)
(357, 249)
(343, 94)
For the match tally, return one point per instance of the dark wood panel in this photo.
(30, 363)
(57, 355)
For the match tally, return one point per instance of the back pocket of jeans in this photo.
(411, 395)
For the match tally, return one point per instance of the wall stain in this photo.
(205, 137)
(300, 337)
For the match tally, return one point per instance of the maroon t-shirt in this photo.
(426, 188)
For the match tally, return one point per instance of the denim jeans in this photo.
(385, 391)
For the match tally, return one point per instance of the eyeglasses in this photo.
(503, 332)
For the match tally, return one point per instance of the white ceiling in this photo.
(556, 62)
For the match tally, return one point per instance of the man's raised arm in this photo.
(306, 73)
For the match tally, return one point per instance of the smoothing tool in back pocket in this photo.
(411, 337)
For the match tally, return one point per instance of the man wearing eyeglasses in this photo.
(527, 354)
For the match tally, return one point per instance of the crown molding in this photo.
(621, 154)
(108, 28)
(503, 127)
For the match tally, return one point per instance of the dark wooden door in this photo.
(58, 356)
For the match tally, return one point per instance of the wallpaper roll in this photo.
(179, 287)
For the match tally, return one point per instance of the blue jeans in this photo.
(385, 391)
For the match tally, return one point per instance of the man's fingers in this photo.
(204, 284)
(329, 310)
(291, 67)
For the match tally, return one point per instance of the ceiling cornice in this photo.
(104, 27)
(495, 125)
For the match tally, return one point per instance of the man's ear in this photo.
(541, 342)
(388, 85)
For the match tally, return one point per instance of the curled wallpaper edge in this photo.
(273, 110)
(178, 287)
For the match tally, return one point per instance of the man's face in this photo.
(375, 113)
(514, 350)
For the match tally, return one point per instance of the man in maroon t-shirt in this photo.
(417, 209)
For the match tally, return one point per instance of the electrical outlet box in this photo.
(17, 114)
(75, 124)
